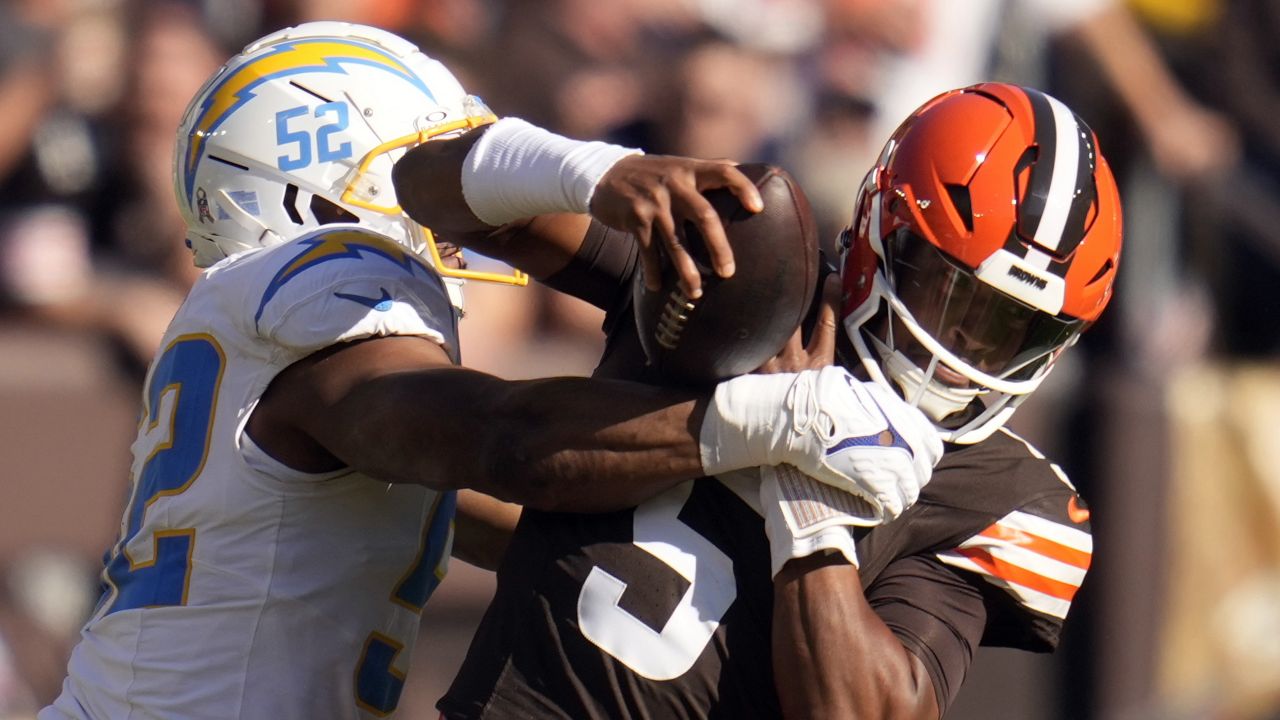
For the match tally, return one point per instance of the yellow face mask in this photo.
(477, 116)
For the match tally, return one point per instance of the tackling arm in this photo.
(396, 409)
(427, 181)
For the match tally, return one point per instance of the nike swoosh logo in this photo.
(887, 438)
(1077, 513)
(381, 304)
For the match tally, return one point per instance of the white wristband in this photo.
(518, 170)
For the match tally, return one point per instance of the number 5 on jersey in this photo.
(670, 653)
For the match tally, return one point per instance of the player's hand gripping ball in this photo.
(740, 321)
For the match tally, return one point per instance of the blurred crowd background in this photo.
(1166, 419)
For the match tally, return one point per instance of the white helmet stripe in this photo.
(1063, 182)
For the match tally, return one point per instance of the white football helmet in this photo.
(302, 129)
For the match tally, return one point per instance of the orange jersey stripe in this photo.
(1039, 545)
(1021, 576)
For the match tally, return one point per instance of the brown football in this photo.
(740, 321)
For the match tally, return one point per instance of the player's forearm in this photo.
(428, 186)
(558, 444)
(833, 657)
(540, 246)
(396, 409)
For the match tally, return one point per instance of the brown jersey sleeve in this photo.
(1032, 561)
(600, 272)
(938, 614)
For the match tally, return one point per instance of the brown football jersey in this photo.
(664, 610)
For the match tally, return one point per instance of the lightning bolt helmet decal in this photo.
(293, 57)
(301, 130)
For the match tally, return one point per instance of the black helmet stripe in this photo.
(1060, 189)
(1086, 193)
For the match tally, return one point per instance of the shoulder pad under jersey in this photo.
(343, 284)
(1037, 552)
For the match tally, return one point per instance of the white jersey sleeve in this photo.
(344, 285)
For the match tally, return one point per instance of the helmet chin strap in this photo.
(894, 370)
(454, 287)
(939, 401)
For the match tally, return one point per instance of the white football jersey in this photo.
(240, 588)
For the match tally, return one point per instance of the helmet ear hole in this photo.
(328, 212)
(1102, 271)
(963, 204)
(291, 203)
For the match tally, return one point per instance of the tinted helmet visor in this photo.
(988, 330)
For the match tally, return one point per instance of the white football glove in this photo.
(855, 436)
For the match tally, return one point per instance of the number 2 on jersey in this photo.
(712, 589)
(179, 410)
(377, 682)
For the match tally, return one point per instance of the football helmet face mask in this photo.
(985, 239)
(302, 129)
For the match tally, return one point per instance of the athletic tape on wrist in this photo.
(518, 170)
(804, 524)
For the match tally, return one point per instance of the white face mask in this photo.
(919, 388)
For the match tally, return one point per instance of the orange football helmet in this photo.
(985, 239)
